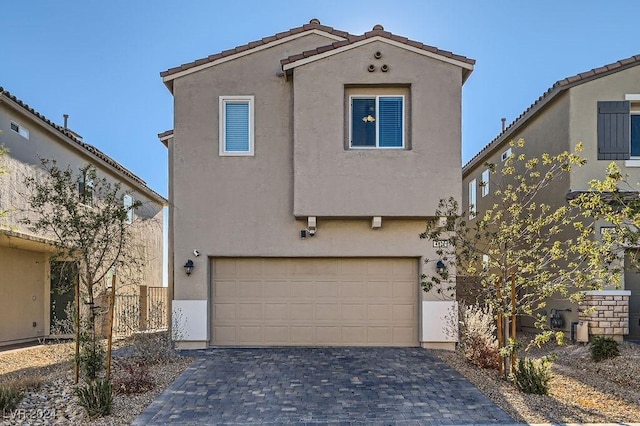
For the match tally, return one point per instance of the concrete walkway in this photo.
(321, 385)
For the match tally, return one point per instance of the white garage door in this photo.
(315, 301)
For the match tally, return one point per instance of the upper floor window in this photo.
(85, 190)
(236, 125)
(377, 121)
(485, 183)
(127, 201)
(472, 199)
(21, 130)
(619, 129)
(506, 155)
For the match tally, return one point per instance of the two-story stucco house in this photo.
(302, 168)
(34, 291)
(601, 109)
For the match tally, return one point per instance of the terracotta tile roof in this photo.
(377, 31)
(557, 88)
(314, 24)
(72, 136)
(165, 134)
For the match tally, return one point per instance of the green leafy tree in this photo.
(84, 216)
(522, 250)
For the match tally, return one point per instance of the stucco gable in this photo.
(74, 140)
(539, 105)
(313, 27)
(378, 34)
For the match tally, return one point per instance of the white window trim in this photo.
(486, 176)
(473, 199)
(377, 97)
(22, 131)
(506, 155)
(222, 133)
(129, 206)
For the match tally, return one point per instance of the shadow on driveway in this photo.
(321, 385)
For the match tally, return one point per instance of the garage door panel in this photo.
(379, 312)
(249, 289)
(327, 289)
(378, 290)
(328, 335)
(249, 334)
(301, 289)
(276, 334)
(275, 289)
(224, 311)
(403, 290)
(249, 311)
(404, 313)
(225, 335)
(224, 289)
(311, 301)
(354, 335)
(353, 312)
(353, 289)
(302, 335)
(276, 311)
(301, 311)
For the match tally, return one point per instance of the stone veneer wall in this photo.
(607, 313)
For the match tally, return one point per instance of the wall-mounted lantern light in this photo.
(188, 267)
(440, 267)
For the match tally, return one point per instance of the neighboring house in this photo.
(302, 170)
(601, 109)
(33, 292)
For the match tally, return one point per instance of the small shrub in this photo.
(482, 354)
(604, 348)
(477, 336)
(10, 396)
(153, 348)
(532, 375)
(96, 397)
(92, 357)
(135, 378)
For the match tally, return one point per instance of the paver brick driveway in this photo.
(321, 385)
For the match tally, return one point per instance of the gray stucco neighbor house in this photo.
(302, 168)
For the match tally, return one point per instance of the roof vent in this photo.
(315, 21)
(66, 120)
(378, 27)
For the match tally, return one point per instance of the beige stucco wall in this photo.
(45, 143)
(333, 181)
(244, 206)
(584, 123)
(545, 133)
(23, 280)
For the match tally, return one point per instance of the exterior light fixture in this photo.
(188, 267)
(440, 267)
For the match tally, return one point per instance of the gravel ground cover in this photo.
(53, 402)
(582, 391)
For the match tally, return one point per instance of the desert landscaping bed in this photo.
(582, 391)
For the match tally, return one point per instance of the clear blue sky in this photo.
(99, 61)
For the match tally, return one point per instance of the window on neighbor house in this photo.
(376, 121)
(236, 125)
(506, 154)
(472, 199)
(127, 201)
(85, 191)
(21, 130)
(485, 182)
(619, 129)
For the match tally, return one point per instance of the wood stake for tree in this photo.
(76, 369)
(513, 320)
(112, 301)
(499, 320)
